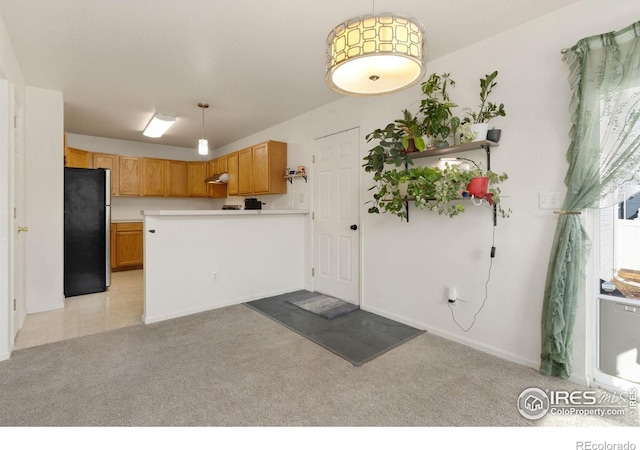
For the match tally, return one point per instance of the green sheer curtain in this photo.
(604, 151)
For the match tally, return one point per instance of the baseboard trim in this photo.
(508, 356)
(5, 356)
(187, 312)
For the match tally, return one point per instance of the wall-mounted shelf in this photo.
(298, 175)
(466, 147)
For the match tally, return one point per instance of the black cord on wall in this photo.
(486, 288)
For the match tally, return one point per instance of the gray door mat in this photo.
(357, 337)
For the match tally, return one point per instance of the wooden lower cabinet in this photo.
(126, 246)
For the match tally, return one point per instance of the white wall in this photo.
(45, 199)
(11, 75)
(253, 255)
(407, 267)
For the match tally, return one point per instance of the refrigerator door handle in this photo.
(107, 218)
(107, 201)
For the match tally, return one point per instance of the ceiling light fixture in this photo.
(203, 145)
(158, 125)
(376, 54)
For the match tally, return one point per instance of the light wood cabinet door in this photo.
(215, 190)
(154, 177)
(108, 161)
(245, 172)
(128, 246)
(269, 161)
(222, 164)
(74, 157)
(129, 175)
(232, 170)
(176, 178)
(196, 173)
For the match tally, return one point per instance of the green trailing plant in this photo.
(435, 189)
(431, 188)
(487, 110)
(390, 149)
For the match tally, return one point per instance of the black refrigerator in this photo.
(87, 222)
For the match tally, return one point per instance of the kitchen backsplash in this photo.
(125, 208)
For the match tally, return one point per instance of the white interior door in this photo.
(336, 237)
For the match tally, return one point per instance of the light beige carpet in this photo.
(235, 367)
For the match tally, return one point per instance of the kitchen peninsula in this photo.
(206, 259)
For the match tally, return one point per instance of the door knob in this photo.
(23, 229)
(354, 227)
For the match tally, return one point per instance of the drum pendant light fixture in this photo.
(203, 145)
(376, 54)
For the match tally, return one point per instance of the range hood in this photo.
(218, 178)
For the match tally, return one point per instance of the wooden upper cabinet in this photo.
(154, 177)
(269, 162)
(129, 175)
(74, 157)
(245, 172)
(222, 164)
(213, 168)
(108, 161)
(196, 173)
(176, 178)
(232, 170)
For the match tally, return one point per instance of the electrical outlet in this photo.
(549, 200)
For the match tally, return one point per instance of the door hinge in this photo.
(14, 304)
(313, 272)
(313, 215)
(15, 213)
(15, 121)
(313, 159)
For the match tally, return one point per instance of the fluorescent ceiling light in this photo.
(158, 125)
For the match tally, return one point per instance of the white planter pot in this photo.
(479, 131)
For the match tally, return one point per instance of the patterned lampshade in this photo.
(376, 54)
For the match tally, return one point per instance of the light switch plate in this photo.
(549, 200)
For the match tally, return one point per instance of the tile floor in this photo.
(120, 306)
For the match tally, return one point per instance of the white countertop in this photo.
(214, 212)
(138, 220)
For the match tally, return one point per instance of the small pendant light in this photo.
(203, 145)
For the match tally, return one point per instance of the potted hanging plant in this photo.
(478, 121)
(485, 185)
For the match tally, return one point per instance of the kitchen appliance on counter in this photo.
(87, 228)
(232, 207)
(252, 203)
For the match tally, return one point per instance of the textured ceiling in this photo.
(257, 63)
